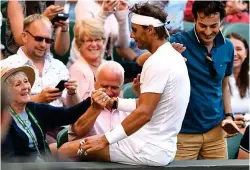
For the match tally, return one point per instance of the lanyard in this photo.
(28, 131)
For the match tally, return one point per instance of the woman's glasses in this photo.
(211, 67)
(40, 39)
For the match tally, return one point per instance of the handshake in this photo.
(100, 99)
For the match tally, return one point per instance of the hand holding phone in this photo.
(48, 95)
(60, 85)
(230, 127)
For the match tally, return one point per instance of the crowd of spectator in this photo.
(192, 84)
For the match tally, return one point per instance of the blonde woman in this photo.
(89, 40)
(114, 17)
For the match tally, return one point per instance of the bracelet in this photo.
(116, 134)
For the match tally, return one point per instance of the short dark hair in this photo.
(242, 81)
(154, 11)
(208, 8)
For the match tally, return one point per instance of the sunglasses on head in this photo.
(212, 71)
(40, 39)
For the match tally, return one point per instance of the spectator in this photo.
(244, 146)
(110, 76)
(209, 108)
(49, 71)
(235, 12)
(89, 39)
(113, 15)
(25, 140)
(18, 10)
(148, 135)
(239, 81)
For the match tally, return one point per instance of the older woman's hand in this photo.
(100, 98)
(71, 86)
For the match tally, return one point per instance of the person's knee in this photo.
(63, 152)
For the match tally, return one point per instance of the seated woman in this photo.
(25, 140)
(239, 81)
(89, 38)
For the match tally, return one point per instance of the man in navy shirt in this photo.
(210, 60)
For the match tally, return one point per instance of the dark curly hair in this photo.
(208, 8)
(154, 11)
(242, 81)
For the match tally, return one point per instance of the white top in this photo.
(238, 104)
(115, 25)
(165, 72)
(53, 72)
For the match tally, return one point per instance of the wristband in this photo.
(229, 114)
(116, 134)
(126, 105)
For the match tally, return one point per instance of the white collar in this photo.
(27, 60)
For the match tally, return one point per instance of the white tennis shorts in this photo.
(139, 152)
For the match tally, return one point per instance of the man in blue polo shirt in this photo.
(210, 60)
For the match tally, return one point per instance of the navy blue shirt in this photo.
(206, 108)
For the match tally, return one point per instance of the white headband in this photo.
(146, 21)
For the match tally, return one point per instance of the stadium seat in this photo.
(240, 28)
(128, 91)
(233, 144)
(62, 137)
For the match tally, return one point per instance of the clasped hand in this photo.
(100, 98)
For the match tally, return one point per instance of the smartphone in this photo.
(60, 85)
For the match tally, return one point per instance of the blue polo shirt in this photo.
(206, 108)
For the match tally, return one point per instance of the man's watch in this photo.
(229, 114)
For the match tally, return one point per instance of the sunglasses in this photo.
(211, 67)
(40, 39)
